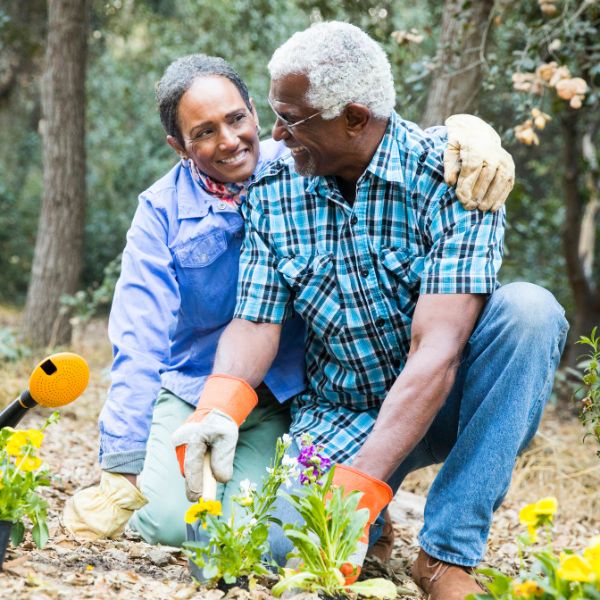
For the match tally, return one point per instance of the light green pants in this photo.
(161, 521)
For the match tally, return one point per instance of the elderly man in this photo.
(414, 353)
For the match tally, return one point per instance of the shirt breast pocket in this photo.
(201, 251)
(207, 269)
(402, 270)
(313, 282)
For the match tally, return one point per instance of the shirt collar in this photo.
(386, 163)
(193, 201)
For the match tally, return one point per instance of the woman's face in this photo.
(219, 131)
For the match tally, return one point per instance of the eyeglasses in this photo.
(290, 126)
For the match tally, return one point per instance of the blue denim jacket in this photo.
(175, 295)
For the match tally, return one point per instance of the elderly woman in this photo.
(175, 295)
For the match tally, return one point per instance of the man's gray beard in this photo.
(308, 169)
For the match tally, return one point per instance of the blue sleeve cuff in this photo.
(124, 462)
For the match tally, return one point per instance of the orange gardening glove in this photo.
(376, 496)
(224, 405)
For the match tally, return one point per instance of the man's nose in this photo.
(280, 131)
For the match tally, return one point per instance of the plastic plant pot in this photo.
(5, 527)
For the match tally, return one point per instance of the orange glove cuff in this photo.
(376, 493)
(231, 395)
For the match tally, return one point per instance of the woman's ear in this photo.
(255, 114)
(172, 141)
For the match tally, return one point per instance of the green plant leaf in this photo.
(302, 581)
(40, 533)
(307, 548)
(375, 588)
(17, 533)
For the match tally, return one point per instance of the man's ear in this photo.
(356, 118)
(177, 147)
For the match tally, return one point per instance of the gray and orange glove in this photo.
(474, 161)
(376, 496)
(224, 405)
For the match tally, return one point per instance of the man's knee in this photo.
(530, 310)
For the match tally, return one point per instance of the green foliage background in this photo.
(131, 42)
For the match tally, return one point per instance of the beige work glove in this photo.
(474, 161)
(223, 406)
(102, 511)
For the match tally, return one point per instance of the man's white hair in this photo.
(342, 63)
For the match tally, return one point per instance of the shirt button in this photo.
(364, 272)
(354, 220)
(222, 205)
(380, 322)
(396, 363)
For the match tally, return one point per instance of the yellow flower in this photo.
(575, 568)
(527, 589)
(18, 441)
(537, 514)
(36, 437)
(202, 508)
(592, 555)
(546, 506)
(29, 463)
(527, 514)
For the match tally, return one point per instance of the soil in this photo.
(557, 464)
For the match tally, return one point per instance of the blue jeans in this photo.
(490, 416)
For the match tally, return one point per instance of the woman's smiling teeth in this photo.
(236, 158)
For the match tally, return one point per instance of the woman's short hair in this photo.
(179, 77)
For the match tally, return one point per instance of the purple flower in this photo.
(314, 463)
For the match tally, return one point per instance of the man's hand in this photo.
(474, 161)
(102, 511)
(376, 496)
(225, 403)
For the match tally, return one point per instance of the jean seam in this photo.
(454, 559)
(549, 377)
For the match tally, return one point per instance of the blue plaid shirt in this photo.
(354, 272)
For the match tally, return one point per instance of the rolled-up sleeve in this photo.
(466, 248)
(142, 317)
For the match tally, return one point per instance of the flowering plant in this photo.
(21, 472)
(329, 535)
(237, 545)
(544, 575)
(590, 377)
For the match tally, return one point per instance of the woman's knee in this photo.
(161, 521)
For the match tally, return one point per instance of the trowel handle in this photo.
(209, 483)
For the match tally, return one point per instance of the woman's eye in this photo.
(201, 135)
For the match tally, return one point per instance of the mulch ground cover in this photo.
(556, 464)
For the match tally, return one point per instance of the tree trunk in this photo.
(59, 243)
(580, 229)
(457, 78)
